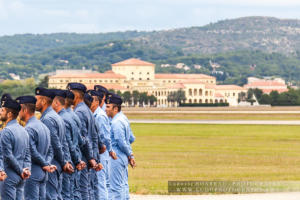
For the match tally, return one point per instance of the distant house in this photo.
(267, 85)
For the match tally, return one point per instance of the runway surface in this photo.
(246, 122)
(265, 196)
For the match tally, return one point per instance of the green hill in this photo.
(250, 46)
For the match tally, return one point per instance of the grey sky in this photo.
(93, 16)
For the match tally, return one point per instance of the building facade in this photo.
(134, 74)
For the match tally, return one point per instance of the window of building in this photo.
(111, 81)
(148, 73)
(233, 94)
(61, 81)
(132, 78)
(140, 79)
(200, 92)
(132, 73)
(117, 81)
(100, 81)
(105, 81)
(148, 79)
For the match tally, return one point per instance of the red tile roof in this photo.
(229, 87)
(183, 76)
(96, 75)
(133, 62)
(108, 86)
(265, 83)
(268, 91)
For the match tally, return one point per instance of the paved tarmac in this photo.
(264, 196)
(212, 112)
(246, 122)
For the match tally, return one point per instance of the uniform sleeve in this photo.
(27, 160)
(7, 153)
(86, 146)
(96, 141)
(105, 131)
(119, 135)
(1, 156)
(131, 136)
(49, 155)
(72, 148)
(55, 142)
(36, 157)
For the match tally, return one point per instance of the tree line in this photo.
(289, 98)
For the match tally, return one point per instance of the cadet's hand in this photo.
(92, 163)
(81, 165)
(53, 168)
(132, 162)
(3, 175)
(68, 168)
(98, 167)
(113, 155)
(47, 168)
(102, 149)
(25, 174)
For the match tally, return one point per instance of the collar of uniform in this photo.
(33, 118)
(103, 106)
(68, 109)
(116, 116)
(61, 111)
(46, 111)
(79, 105)
(14, 121)
(97, 110)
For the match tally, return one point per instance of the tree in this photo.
(171, 97)
(152, 99)
(127, 97)
(135, 96)
(180, 96)
(44, 82)
(143, 98)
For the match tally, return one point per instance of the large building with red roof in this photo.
(134, 74)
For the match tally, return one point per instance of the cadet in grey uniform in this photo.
(103, 127)
(55, 124)
(88, 132)
(71, 133)
(80, 142)
(40, 149)
(120, 135)
(15, 151)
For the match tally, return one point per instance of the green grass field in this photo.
(212, 152)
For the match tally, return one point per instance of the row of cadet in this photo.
(79, 149)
